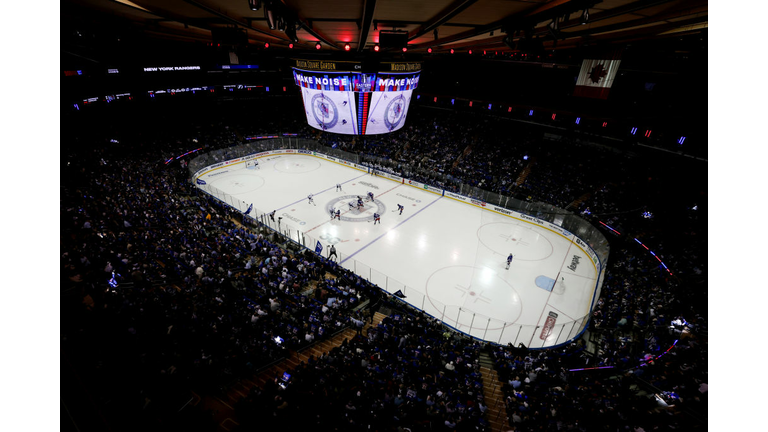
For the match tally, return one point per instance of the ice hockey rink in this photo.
(446, 256)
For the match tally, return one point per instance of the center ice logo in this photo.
(352, 213)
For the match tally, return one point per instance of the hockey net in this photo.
(252, 164)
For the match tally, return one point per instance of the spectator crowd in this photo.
(165, 290)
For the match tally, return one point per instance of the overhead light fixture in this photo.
(376, 48)
(585, 16)
(451, 50)
(271, 17)
(266, 44)
(318, 46)
(290, 31)
(553, 28)
(290, 46)
(429, 50)
(470, 52)
(254, 5)
(405, 49)
(347, 47)
(554, 24)
(509, 41)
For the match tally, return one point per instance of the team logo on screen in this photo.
(325, 111)
(395, 112)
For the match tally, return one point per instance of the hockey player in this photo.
(370, 196)
(332, 214)
(351, 205)
(338, 214)
(401, 208)
(310, 200)
(376, 218)
(272, 215)
(338, 187)
(509, 260)
(332, 252)
(360, 204)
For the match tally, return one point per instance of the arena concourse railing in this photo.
(460, 319)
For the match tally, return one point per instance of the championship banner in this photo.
(596, 77)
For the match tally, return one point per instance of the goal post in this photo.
(252, 164)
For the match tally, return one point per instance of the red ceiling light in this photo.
(376, 48)
(266, 44)
(483, 52)
(318, 46)
(290, 46)
(429, 50)
(470, 52)
(451, 50)
(347, 47)
(405, 49)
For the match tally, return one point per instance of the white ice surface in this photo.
(446, 256)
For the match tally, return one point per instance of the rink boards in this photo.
(446, 252)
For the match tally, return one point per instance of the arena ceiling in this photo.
(442, 25)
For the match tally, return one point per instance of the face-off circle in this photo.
(297, 165)
(476, 290)
(238, 183)
(352, 214)
(395, 112)
(325, 112)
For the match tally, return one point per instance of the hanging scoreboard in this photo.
(339, 99)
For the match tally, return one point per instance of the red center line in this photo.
(318, 226)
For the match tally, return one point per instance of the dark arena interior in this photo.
(178, 312)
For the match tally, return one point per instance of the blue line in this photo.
(394, 227)
(325, 190)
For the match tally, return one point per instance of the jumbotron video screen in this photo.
(356, 103)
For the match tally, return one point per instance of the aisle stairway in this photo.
(575, 203)
(524, 174)
(316, 350)
(496, 414)
(222, 408)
